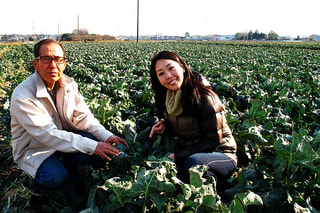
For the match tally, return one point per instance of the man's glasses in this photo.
(48, 59)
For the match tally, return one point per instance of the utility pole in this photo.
(78, 29)
(137, 20)
(33, 31)
(58, 31)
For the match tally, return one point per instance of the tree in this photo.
(66, 37)
(108, 37)
(241, 36)
(250, 35)
(5, 38)
(80, 32)
(263, 36)
(273, 35)
(256, 35)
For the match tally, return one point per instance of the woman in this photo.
(188, 108)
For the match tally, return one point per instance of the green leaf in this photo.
(196, 174)
(129, 134)
(256, 110)
(242, 200)
(283, 94)
(290, 154)
(301, 150)
(200, 193)
(253, 132)
(121, 189)
(237, 206)
(250, 198)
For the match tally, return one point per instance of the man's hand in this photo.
(105, 149)
(115, 140)
(158, 128)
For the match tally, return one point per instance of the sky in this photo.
(161, 17)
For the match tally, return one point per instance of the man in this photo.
(50, 121)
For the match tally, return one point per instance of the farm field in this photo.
(272, 98)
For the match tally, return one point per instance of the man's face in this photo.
(50, 72)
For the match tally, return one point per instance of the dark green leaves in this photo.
(292, 154)
(148, 187)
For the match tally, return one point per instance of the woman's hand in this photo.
(158, 128)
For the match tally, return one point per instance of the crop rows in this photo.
(271, 93)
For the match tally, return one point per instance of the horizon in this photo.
(151, 35)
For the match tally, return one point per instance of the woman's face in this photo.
(170, 74)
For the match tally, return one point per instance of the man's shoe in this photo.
(40, 190)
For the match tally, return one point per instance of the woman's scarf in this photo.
(173, 102)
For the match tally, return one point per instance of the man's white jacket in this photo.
(39, 127)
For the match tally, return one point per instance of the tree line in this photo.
(83, 35)
(257, 36)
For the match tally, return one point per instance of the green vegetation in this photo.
(270, 90)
